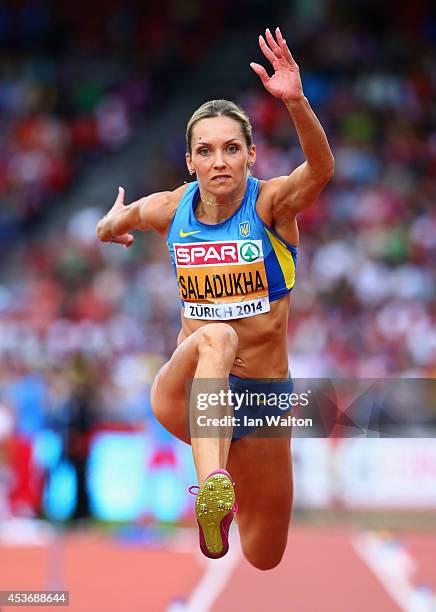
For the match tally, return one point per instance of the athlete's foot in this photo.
(214, 509)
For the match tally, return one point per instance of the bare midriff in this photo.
(262, 349)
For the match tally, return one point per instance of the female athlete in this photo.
(233, 242)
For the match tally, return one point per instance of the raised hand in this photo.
(285, 83)
(125, 239)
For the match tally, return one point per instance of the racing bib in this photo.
(222, 280)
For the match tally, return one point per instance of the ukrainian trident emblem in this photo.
(244, 229)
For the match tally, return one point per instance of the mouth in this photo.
(221, 177)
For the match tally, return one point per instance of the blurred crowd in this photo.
(364, 301)
(74, 80)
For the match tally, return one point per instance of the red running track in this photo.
(321, 572)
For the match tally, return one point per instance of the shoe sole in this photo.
(215, 502)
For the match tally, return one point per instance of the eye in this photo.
(203, 151)
(232, 148)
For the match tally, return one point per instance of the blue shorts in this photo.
(256, 399)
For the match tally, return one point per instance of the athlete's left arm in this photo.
(292, 194)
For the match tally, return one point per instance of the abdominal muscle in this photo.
(262, 348)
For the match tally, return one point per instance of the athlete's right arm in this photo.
(154, 212)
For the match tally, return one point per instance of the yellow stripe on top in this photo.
(284, 258)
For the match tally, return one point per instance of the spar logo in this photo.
(206, 253)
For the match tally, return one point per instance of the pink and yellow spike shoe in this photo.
(214, 509)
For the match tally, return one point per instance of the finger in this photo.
(287, 54)
(284, 47)
(120, 198)
(261, 72)
(129, 242)
(279, 35)
(123, 239)
(272, 43)
(266, 50)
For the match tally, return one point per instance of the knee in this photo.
(264, 552)
(220, 339)
(267, 561)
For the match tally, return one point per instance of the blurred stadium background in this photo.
(92, 490)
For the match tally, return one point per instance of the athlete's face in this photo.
(220, 156)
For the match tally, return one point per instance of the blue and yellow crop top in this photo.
(232, 269)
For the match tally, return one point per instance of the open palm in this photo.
(285, 83)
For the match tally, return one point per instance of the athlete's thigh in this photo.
(262, 471)
(169, 388)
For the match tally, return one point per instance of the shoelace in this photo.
(190, 490)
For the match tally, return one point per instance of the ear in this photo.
(251, 155)
(189, 165)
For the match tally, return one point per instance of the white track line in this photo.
(393, 567)
(213, 581)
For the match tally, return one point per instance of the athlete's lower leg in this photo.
(217, 346)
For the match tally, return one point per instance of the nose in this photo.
(219, 161)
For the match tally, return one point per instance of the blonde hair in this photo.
(220, 108)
